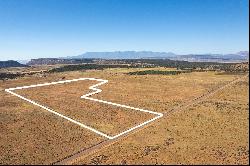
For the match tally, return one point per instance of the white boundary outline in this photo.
(86, 96)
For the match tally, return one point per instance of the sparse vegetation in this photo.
(200, 134)
(4, 76)
(157, 72)
(202, 130)
(89, 67)
(142, 63)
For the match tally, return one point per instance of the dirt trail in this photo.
(205, 95)
(87, 151)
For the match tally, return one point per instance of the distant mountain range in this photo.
(89, 57)
(123, 55)
(237, 57)
(11, 63)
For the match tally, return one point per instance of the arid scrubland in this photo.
(213, 131)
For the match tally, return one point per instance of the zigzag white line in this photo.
(86, 96)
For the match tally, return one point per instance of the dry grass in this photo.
(201, 134)
(212, 132)
(65, 99)
(30, 135)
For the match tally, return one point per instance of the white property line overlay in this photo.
(96, 90)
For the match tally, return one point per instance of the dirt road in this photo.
(86, 152)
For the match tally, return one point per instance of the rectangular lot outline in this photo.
(86, 96)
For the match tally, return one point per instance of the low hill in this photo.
(242, 56)
(11, 63)
(53, 61)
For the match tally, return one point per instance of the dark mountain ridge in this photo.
(11, 63)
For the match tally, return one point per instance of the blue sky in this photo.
(57, 28)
